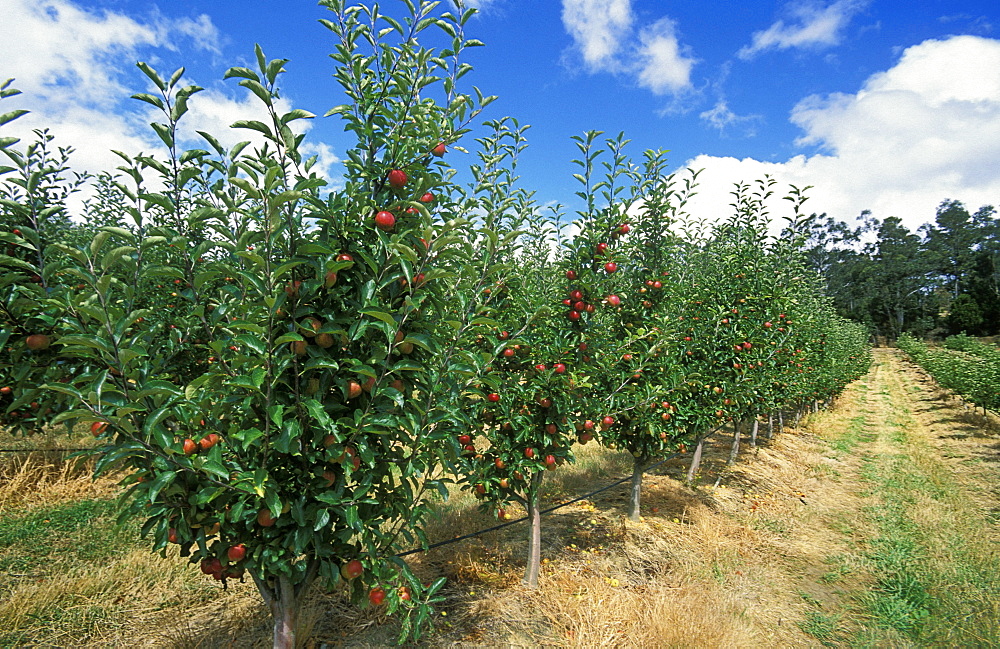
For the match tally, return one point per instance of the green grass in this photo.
(68, 534)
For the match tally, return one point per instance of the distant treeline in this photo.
(941, 280)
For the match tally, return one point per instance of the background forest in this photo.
(941, 280)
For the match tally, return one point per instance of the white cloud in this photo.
(663, 66)
(69, 64)
(722, 118)
(598, 27)
(605, 35)
(925, 130)
(814, 26)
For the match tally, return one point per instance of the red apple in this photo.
(237, 552)
(376, 596)
(385, 221)
(610, 267)
(264, 518)
(614, 300)
(529, 453)
(493, 397)
(37, 342)
(98, 427)
(439, 150)
(397, 178)
(190, 447)
(352, 569)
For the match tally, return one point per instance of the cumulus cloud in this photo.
(606, 37)
(598, 28)
(813, 25)
(70, 65)
(925, 130)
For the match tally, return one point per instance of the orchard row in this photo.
(291, 374)
(968, 368)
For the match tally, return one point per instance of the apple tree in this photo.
(269, 357)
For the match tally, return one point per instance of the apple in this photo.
(508, 352)
(481, 489)
(550, 462)
(404, 591)
(768, 325)
(325, 340)
(602, 248)
(171, 535)
(37, 342)
(573, 315)
(576, 295)
(624, 228)
(397, 178)
(529, 453)
(190, 447)
(540, 367)
(264, 518)
(299, 347)
(588, 425)
(614, 300)
(585, 437)
(503, 335)
(98, 427)
(369, 384)
(465, 440)
(385, 221)
(292, 288)
(376, 596)
(211, 566)
(610, 267)
(493, 397)
(208, 441)
(439, 150)
(559, 368)
(427, 198)
(6, 390)
(352, 569)
(330, 279)
(607, 421)
(237, 552)
(345, 257)
(570, 274)
(504, 483)
(545, 402)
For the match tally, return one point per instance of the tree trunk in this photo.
(533, 567)
(815, 406)
(798, 417)
(283, 599)
(781, 421)
(696, 458)
(638, 467)
(770, 425)
(753, 431)
(734, 450)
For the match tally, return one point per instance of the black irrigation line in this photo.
(541, 513)
(45, 450)
(439, 543)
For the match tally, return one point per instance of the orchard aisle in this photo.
(923, 545)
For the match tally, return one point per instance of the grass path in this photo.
(924, 532)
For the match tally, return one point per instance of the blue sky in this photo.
(887, 105)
